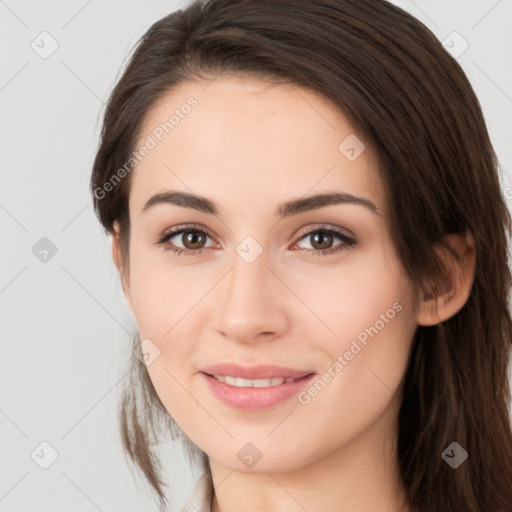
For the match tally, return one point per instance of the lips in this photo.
(255, 388)
(258, 372)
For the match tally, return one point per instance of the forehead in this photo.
(247, 142)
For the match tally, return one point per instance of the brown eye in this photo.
(192, 239)
(185, 241)
(321, 240)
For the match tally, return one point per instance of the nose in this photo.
(251, 302)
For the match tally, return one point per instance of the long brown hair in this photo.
(393, 80)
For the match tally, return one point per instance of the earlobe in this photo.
(456, 288)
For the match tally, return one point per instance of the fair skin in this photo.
(249, 147)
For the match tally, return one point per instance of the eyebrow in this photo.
(293, 207)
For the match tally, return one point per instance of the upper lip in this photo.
(261, 371)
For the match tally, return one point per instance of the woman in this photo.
(307, 220)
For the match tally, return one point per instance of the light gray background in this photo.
(64, 322)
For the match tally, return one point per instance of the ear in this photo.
(118, 262)
(458, 281)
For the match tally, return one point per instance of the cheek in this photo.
(371, 353)
(379, 326)
(352, 297)
(364, 371)
(370, 314)
(170, 305)
(160, 294)
(163, 301)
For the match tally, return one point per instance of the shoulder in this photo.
(200, 499)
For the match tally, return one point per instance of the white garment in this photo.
(200, 499)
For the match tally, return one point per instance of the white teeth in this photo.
(243, 383)
(239, 382)
(261, 383)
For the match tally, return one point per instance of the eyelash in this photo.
(347, 241)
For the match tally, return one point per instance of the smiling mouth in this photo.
(270, 385)
(240, 382)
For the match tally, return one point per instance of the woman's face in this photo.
(260, 293)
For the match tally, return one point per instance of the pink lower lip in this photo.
(255, 399)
